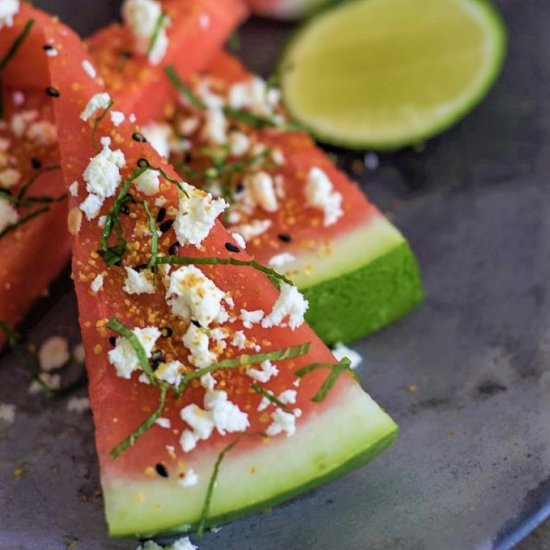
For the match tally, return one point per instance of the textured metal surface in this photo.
(471, 468)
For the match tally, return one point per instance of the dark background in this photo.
(471, 467)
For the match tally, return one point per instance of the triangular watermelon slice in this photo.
(163, 345)
(35, 251)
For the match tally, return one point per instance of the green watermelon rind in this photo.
(365, 300)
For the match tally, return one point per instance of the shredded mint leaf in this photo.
(17, 43)
(27, 185)
(156, 32)
(245, 359)
(335, 371)
(22, 221)
(183, 89)
(270, 397)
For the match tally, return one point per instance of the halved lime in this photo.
(383, 74)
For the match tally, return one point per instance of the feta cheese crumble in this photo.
(142, 17)
(117, 117)
(73, 189)
(253, 229)
(123, 356)
(89, 69)
(196, 216)
(320, 194)
(281, 422)
(97, 284)
(192, 295)
(7, 413)
(250, 318)
(169, 372)
(189, 479)
(239, 143)
(280, 260)
(239, 239)
(340, 351)
(53, 353)
(78, 404)
(262, 191)
(264, 374)
(8, 10)
(9, 177)
(8, 214)
(290, 305)
(138, 282)
(148, 183)
(96, 103)
(159, 135)
(197, 342)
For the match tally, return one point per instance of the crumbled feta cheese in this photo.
(7, 413)
(9, 177)
(20, 121)
(239, 239)
(340, 351)
(42, 133)
(96, 103)
(281, 422)
(209, 98)
(150, 545)
(279, 260)
(8, 9)
(117, 117)
(267, 371)
(79, 355)
(288, 397)
(226, 415)
(239, 340)
(53, 381)
(142, 17)
(188, 441)
(252, 95)
(189, 479)
(102, 175)
(163, 423)
(208, 382)
(148, 183)
(239, 143)
(253, 229)
(89, 69)
(260, 186)
(101, 221)
(278, 157)
(215, 127)
(8, 214)
(320, 193)
(199, 420)
(132, 118)
(53, 353)
(51, 52)
(73, 189)
(192, 295)
(97, 284)
(78, 404)
(123, 356)
(250, 318)
(138, 282)
(196, 216)
(169, 372)
(159, 134)
(197, 342)
(91, 206)
(290, 304)
(279, 182)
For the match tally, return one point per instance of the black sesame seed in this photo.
(126, 54)
(125, 209)
(239, 188)
(140, 267)
(36, 163)
(165, 226)
(161, 214)
(47, 47)
(232, 247)
(140, 138)
(112, 340)
(285, 237)
(173, 250)
(157, 356)
(161, 470)
(196, 323)
(143, 163)
(166, 332)
(52, 92)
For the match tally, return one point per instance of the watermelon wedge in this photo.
(185, 343)
(39, 249)
(33, 205)
(295, 209)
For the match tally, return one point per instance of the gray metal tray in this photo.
(471, 467)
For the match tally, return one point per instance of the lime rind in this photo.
(496, 38)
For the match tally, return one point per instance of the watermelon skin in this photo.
(360, 428)
(286, 9)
